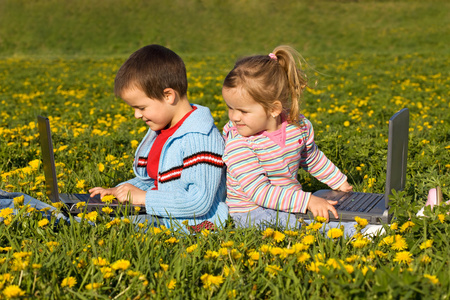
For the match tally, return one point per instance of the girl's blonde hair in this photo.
(267, 78)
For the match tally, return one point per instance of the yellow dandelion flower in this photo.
(92, 216)
(43, 222)
(427, 244)
(107, 210)
(352, 258)
(303, 257)
(134, 144)
(380, 253)
(253, 255)
(101, 167)
(93, 286)
(210, 281)
(211, 254)
(13, 291)
(69, 282)
(223, 251)
(346, 123)
(308, 239)
(172, 240)
(273, 269)
(275, 251)
(399, 243)
(18, 200)
(335, 233)
(171, 284)
(228, 270)
(80, 184)
(425, 259)
(6, 212)
(278, 236)
(314, 226)
(403, 257)
(205, 232)
(235, 254)
(349, 268)
(191, 248)
(228, 244)
(163, 266)
(108, 198)
(291, 233)
(81, 204)
(320, 219)
(432, 278)
(365, 269)
(299, 247)
(267, 233)
(314, 267)
(335, 263)
(394, 226)
(121, 264)
(58, 205)
(34, 164)
(99, 261)
(360, 243)
(406, 225)
(107, 272)
(441, 218)
(361, 222)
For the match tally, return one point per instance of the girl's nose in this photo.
(233, 116)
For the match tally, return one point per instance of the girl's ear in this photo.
(276, 109)
(170, 95)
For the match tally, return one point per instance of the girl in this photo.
(268, 140)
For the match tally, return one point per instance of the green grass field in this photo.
(366, 60)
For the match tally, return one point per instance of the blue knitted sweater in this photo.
(191, 173)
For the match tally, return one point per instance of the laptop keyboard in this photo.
(360, 202)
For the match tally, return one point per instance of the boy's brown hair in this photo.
(152, 69)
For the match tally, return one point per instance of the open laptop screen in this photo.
(397, 152)
(48, 158)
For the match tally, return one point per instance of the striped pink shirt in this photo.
(263, 172)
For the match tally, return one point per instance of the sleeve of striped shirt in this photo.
(255, 186)
(317, 164)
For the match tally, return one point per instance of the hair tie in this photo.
(273, 56)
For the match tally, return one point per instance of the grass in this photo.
(369, 58)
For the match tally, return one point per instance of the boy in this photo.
(178, 165)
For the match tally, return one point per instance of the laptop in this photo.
(51, 184)
(375, 207)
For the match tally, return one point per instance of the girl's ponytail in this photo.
(290, 60)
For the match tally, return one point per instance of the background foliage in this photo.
(365, 60)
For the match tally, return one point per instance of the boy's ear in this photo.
(170, 95)
(276, 109)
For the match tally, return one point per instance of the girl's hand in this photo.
(320, 207)
(345, 187)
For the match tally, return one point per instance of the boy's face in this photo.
(157, 114)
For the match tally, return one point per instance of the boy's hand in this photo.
(345, 187)
(320, 207)
(124, 192)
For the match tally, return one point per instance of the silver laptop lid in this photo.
(397, 153)
(48, 159)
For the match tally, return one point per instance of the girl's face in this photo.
(247, 115)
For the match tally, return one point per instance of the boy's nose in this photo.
(137, 114)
